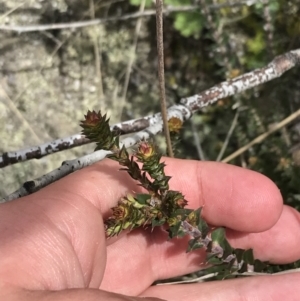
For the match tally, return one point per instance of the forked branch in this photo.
(184, 110)
(187, 106)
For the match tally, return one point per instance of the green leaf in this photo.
(194, 217)
(143, 198)
(174, 231)
(259, 265)
(248, 256)
(214, 260)
(158, 222)
(218, 237)
(188, 23)
(194, 244)
(257, 44)
(239, 254)
(203, 227)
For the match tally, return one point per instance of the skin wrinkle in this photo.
(151, 258)
(51, 243)
(72, 233)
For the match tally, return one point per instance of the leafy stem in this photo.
(160, 205)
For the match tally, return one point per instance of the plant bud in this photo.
(145, 150)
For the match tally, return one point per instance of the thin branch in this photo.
(11, 11)
(262, 137)
(275, 69)
(19, 115)
(184, 110)
(132, 56)
(42, 150)
(161, 74)
(66, 168)
(80, 24)
(126, 127)
(228, 136)
(97, 54)
(70, 166)
(197, 141)
(189, 105)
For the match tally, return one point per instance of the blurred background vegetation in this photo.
(49, 79)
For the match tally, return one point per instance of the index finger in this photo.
(233, 197)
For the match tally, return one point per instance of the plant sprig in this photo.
(162, 206)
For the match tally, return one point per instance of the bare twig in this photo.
(66, 168)
(228, 136)
(191, 104)
(18, 114)
(275, 69)
(42, 150)
(197, 141)
(161, 74)
(126, 127)
(188, 105)
(96, 42)
(11, 11)
(132, 57)
(262, 137)
(80, 24)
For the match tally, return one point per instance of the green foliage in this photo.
(138, 2)
(188, 24)
(257, 44)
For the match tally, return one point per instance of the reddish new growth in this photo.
(91, 118)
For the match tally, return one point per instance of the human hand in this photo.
(53, 244)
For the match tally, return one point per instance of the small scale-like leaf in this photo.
(194, 217)
(239, 254)
(158, 222)
(259, 266)
(142, 198)
(218, 237)
(174, 231)
(213, 259)
(194, 244)
(248, 256)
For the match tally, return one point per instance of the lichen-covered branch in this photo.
(126, 127)
(70, 166)
(43, 150)
(66, 168)
(183, 111)
(275, 69)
